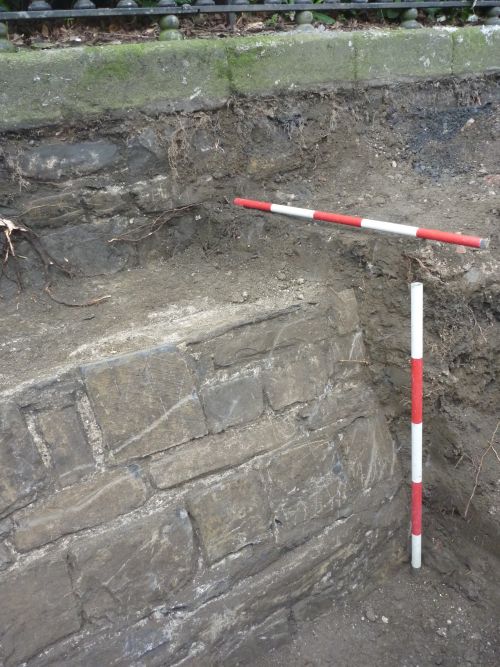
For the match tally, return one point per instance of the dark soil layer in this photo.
(419, 154)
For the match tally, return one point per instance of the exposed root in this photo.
(490, 447)
(86, 304)
(142, 232)
(10, 234)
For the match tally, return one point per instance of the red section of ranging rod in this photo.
(366, 223)
(417, 384)
(416, 508)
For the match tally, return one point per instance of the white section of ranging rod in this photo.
(417, 320)
(292, 210)
(416, 552)
(391, 227)
(416, 453)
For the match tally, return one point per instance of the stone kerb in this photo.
(50, 87)
(194, 468)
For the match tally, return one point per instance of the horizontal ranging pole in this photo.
(158, 10)
(366, 223)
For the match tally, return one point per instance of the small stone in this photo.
(300, 281)
(281, 276)
(370, 614)
(385, 619)
(394, 164)
(441, 632)
(300, 296)
(245, 296)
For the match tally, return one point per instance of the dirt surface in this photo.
(408, 162)
(435, 618)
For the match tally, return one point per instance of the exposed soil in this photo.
(409, 162)
(440, 617)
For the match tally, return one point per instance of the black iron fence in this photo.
(32, 10)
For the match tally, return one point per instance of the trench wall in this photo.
(188, 502)
(188, 499)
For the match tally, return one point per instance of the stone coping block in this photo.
(476, 51)
(67, 84)
(290, 62)
(64, 85)
(402, 54)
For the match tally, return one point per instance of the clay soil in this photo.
(407, 163)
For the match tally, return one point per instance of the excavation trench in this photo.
(212, 445)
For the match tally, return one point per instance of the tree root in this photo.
(490, 447)
(10, 234)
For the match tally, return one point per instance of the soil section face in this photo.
(421, 154)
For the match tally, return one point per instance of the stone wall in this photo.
(193, 500)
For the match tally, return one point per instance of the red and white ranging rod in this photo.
(417, 344)
(366, 223)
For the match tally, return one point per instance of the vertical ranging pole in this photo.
(417, 330)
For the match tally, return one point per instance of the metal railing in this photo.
(34, 10)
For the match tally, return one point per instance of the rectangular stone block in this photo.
(65, 439)
(56, 210)
(271, 63)
(476, 50)
(345, 307)
(145, 402)
(236, 401)
(306, 487)
(273, 334)
(368, 452)
(231, 515)
(402, 54)
(220, 451)
(346, 357)
(37, 608)
(295, 375)
(80, 506)
(21, 468)
(156, 76)
(134, 567)
(340, 406)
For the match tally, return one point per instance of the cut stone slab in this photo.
(220, 451)
(22, 470)
(340, 406)
(346, 311)
(476, 50)
(272, 334)
(233, 402)
(401, 54)
(231, 515)
(38, 608)
(290, 62)
(368, 451)
(134, 567)
(295, 375)
(81, 506)
(306, 487)
(69, 450)
(145, 402)
(54, 161)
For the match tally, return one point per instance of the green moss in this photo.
(293, 61)
(476, 50)
(401, 54)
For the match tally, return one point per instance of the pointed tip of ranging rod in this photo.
(484, 243)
